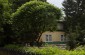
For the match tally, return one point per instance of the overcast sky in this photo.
(57, 3)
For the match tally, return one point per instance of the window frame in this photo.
(48, 38)
(62, 38)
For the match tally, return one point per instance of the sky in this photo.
(57, 3)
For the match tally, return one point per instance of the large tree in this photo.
(74, 11)
(34, 18)
(75, 19)
(17, 3)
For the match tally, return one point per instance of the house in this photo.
(57, 37)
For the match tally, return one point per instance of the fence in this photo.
(4, 51)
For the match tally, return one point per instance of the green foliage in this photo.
(51, 50)
(17, 3)
(5, 11)
(10, 46)
(35, 17)
(71, 40)
(1, 12)
(5, 22)
(75, 19)
(42, 50)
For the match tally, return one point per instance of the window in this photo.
(62, 38)
(48, 38)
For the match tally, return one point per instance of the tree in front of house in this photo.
(75, 19)
(7, 7)
(15, 4)
(34, 18)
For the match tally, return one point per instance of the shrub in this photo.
(48, 50)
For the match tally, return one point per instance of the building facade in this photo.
(55, 38)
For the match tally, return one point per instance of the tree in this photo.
(74, 10)
(34, 18)
(17, 3)
(1, 12)
(5, 24)
(75, 18)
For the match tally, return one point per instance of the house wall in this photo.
(56, 36)
(56, 39)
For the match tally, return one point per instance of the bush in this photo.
(11, 46)
(49, 50)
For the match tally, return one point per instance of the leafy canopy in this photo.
(15, 4)
(35, 17)
(75, 21)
